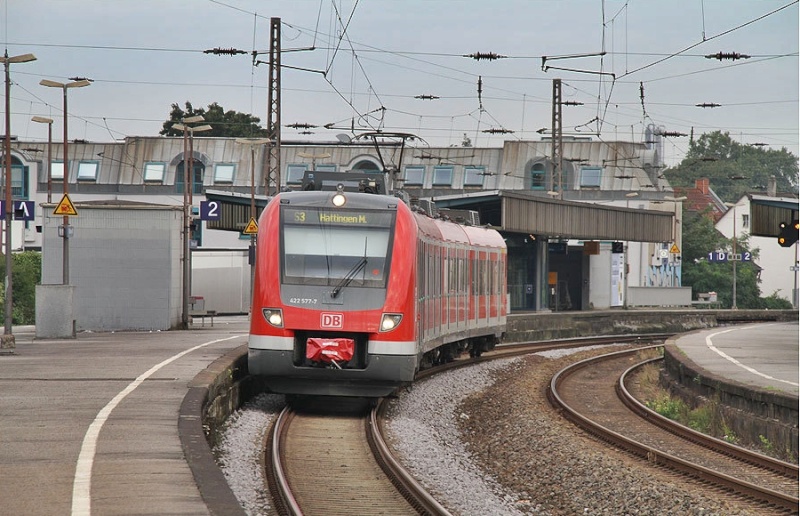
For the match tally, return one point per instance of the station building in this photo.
(603, 233)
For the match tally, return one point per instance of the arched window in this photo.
(538, 176)
(19, 177)
(367, 166)
(197, 179)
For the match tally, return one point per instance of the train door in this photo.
(463, 288)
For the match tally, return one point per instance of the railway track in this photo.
(338, 464)
(334, 460)
(592, 394)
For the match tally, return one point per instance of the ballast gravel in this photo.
(485, 441)
(240, 449)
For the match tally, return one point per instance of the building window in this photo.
(87, 170)
(443, 175)
(745, 220)
(294, 173)
(326, 167)
(366, 167)
(415, 175)
(473, 176)
(590, 177)
(537, 176)
(19, 180)
(154, 172)
(223, 173)
(57, 170)
(197, 177)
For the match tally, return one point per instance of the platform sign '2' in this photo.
(210, 210)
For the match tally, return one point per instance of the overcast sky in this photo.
(378, 55)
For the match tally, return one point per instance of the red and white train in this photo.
(355, 292)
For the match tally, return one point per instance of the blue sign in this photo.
(723, 256)
(23, 210)
(210, 210)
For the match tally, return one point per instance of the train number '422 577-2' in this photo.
(302, 301)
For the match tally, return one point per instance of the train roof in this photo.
(448, 231)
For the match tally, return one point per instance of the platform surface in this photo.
(89, 425)
(763, 355)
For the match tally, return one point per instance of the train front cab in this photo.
(337, 273)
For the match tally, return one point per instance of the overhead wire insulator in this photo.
(733, 56)
(572, 103)
(489, 56)
(708, 105)
(671, 133)
(224, 51)
(299, 125)
(495, 130)
(426, 97)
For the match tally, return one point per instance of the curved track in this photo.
(330, 461)
(587, 392)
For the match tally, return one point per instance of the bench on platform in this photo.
(197, 308)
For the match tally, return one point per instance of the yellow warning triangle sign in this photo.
(674, 249)
(252, 227)
(65, 207)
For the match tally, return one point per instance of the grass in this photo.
(704, 418)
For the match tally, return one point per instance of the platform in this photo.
(749, 374)
(765, 355)
(90, 424)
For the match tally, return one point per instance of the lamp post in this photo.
(251, 255)
(733, 302)
(49, 122)
(8, 337)
(65, 86)
(187, 175)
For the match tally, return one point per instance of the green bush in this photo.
(26, 274)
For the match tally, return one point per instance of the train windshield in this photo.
(341, 248)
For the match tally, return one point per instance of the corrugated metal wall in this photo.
(584, 221)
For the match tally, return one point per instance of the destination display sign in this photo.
(293, 215)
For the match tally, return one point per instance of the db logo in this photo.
(330, 320)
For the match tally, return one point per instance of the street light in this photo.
(314, 157)
(733, 205)
(64, 87)
(7, 341)
(188, 164)
(49, 122)
(251, 255)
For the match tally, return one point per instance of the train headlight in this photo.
(339, 199)
(390, 321)
(274, 316)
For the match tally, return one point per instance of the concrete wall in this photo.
(659, 296)
(124, 263)
(751, 412)
(222, 278)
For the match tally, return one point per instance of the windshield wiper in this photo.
(349, 277)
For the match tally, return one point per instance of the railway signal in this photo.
(788, 233)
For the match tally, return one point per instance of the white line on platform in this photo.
(733, 360)
(82, 485)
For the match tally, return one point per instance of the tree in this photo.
(734, 169)
(230, 124)
(701, 237)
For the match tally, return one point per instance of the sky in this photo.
(360, 66)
